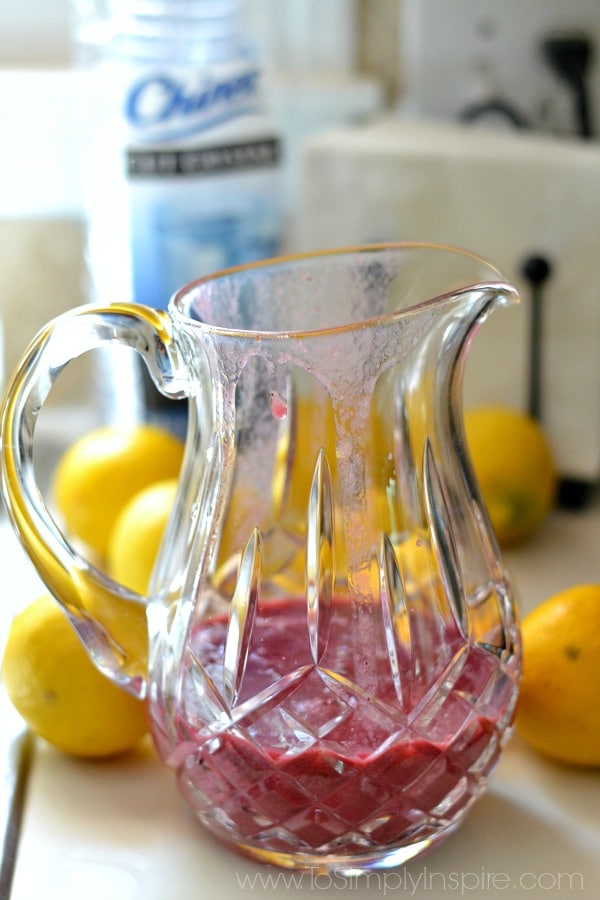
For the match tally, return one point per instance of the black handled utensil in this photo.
(570, 56)
(537, 270)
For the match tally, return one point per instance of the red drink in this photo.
(310, 764)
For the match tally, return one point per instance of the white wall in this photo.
(34, 33)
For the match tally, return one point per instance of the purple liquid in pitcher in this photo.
(320, 766)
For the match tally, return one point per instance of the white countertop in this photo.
(119, 831)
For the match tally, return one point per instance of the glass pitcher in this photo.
(329, 650)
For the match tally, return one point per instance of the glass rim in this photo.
(175, 306)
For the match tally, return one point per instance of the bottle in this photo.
(184, 163)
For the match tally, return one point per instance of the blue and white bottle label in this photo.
(170, 106)
(203, 170)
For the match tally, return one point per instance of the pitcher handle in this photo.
(109, 618)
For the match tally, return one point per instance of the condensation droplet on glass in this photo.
(278, 405)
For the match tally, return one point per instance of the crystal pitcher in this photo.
(329, 650)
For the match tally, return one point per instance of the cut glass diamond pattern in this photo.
(324, 747)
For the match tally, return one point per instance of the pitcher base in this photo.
(343, 865)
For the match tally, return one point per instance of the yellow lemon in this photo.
(103, 470)
(137, 535)
(417, 562)
(122, 618)
(515, 469)
(58, 691)
(559, 703)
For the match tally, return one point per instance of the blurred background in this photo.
(471, 123)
